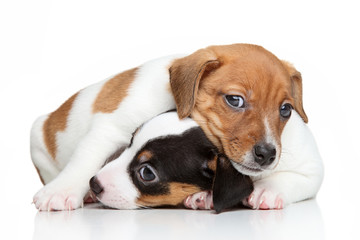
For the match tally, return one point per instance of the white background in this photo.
(51, 49)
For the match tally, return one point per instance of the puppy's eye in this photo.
(147, 173)
(285, 110)
(235, 101)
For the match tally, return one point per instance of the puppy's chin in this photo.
(118, 203)
(247, 170)
(249, 167)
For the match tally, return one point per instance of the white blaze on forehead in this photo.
(163, 125)
(269, 136)
(270, 139)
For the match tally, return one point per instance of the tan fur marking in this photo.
(113, 92)
(178, 193)
(144, 156)
(56, 122)
(212, 164)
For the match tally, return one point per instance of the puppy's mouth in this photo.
(247, 170)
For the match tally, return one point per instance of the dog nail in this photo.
(250, 199)
(261, 201)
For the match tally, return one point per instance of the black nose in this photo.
(95, 186)
(264, 154)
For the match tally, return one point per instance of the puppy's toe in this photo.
(200, 200)
(264, 199)
(57, 199)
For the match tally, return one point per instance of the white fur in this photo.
(162, 125)
(90, 138)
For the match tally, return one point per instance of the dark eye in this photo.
(285, 110)
(147, 173)
(235, 101)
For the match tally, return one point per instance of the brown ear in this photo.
(296, 84)
(185, 75)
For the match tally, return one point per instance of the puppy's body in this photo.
(241, 95)
(71, 143)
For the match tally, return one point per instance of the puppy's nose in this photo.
(264, 154)
(95, 186)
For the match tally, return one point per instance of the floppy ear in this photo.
(185, 75)
(296, 84)
(230, 187)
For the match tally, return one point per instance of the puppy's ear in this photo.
(230, 187)
(185, 75)
(296, 84)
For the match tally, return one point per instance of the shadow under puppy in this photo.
(170, 162)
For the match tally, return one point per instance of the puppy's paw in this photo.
(201, 200)
(58, 198)
(262, 198)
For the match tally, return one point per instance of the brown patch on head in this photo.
(56, 122)
(113, 92)
(244, 70)
(144, 156)
(212, 163)
(177, 194)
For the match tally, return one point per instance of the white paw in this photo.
(200, 200)
(52, 197)
(263, 198)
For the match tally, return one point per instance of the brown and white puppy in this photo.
(242, 96)
(167, 161)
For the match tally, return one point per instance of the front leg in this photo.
(281, 189)
(68, 189)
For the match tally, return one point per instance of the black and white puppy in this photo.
(170, 162)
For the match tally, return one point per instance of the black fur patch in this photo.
(176, 158)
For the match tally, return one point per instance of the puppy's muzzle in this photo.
(264, 154)
(95, 186)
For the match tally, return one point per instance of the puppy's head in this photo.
(242, 96)
(167, 160)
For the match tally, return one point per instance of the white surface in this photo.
(95, 223)
(51, 49)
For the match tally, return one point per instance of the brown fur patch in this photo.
(113, 92)
(144, 156)
(185, 74)
(212, 163)
(56, 122)
(178, 193)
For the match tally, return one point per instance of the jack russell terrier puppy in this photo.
(246, 100)
(170, 162)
